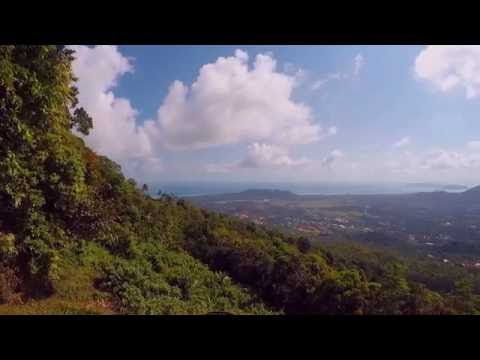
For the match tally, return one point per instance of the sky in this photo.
(355, 114)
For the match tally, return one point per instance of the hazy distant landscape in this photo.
(443, 225)
(187, 189)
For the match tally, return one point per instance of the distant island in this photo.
(428, 185)
(438, 200)
(455, 187)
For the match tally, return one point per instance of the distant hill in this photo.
(448, 200)
(436, 202)
(473, 192)
(454, 187)
(428, 185)
(439, 197)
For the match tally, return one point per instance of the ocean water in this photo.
(185, 189)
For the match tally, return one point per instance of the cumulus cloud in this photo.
(333, 156)
(231, 102)
(443, 159)
(265, 155)
(453, 165)
(241, 55)
(451, 66)
(260, 156)
(402, 142)
(435, 160)
(115, 132)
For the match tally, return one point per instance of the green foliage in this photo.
(161, 281)
(82, 121)
(7, 247)
(283, 276)
(41, 168)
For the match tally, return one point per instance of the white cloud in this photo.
(241, 55)
(146, 168)
(451, 66)
(265, 155)
(474, 145)
(115, 132)
(231, 102)
(443, 159)
(328, 160)
(456, 165)
(433, 161)
(260, 156)
(358, 63)
(402, 142)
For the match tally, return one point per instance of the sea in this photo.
(187, 189)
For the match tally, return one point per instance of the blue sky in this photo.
(338, 113)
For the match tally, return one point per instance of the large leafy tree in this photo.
(41, 170)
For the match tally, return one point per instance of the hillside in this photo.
(472, 192)
(77, 237)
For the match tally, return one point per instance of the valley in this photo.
(437, 225)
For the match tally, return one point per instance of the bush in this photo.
(161, 281)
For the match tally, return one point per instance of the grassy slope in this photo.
(75, 293)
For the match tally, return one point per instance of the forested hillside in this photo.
(77, 237)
